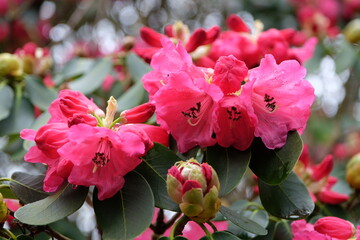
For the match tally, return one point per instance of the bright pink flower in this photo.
(49, 138)
(237, 44)
(188, 110)
(305, 231)
(154, 133)
(101, 157)
(138, 114)
(273, 42)
(169, 59)
(281, 97)
(70, 103)
(229, 73)
(335, 227)
(237, 121)
(323, 169)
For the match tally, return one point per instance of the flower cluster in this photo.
(82, 145)
(229, 104)
(250, 46)
(317, 178)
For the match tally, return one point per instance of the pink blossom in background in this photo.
(281, 97)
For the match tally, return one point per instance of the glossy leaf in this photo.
(53, 208)
(39, 95)
(251, 211)
(93, 78)
(127, 214)
(273, 166)
(6, 101)
(133, 97)
(136, 66)
(277, 230)
(221, 235)
(28, 188)
(154, 168)
(6, 191)
(290, 199)
(230, 164)
(21, 116)
(242, 221)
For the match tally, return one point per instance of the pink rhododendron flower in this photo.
(83, 146)
(187, 110)
(101, 157)
(335, 227)
(281, 97)
(236, 122)
(70, 103)
(305, 231)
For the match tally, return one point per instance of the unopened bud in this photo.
(195, 187)
(335, 227)
(352, 172)
(10, 65)
(4, 211)
(352, 31)
(139, 114)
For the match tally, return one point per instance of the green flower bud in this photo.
(352, 31)
(352, 172)
(4, 211)
(195, 187)
(10, 65)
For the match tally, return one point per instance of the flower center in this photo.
(233, 113)
(102, 154)
(270, 103)
(196, 113)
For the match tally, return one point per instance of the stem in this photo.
(5, 179)
(212, 226)
(208, 234)
(178, 226)
(8, 233)
(119, 119)
(55, 234)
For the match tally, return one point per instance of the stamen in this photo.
(196, 113)
(102, 154)
(233, 113)
(270, 103)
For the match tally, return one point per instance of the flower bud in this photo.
(352, 31)
(352, 172)
(335, 227)
(195, 187)
(10, 65)
(4, 211)
(138, 114)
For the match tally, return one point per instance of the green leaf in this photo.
(39, 95)
(221, 235)
(136, 66)
(53, 208)
(28, 188)
(93, 78)
(77, 66)
(6, 101)
(6, 191)
(345, 56)
(133, 97)
(127, 214)
(154, 168)
(176, 238)
(273, 166)
(230, 164)
(251, 211)
(242, 221)
(277, 230)
(21, 116)
(290, 199)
